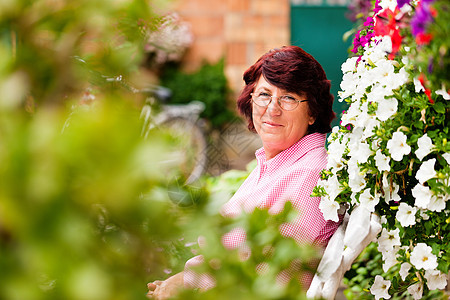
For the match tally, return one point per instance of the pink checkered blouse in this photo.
(289, 176)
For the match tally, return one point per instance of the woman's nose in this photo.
(274, 108)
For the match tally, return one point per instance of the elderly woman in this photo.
(287, 102)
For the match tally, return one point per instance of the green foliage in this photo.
(251, 272)
(208, 85)
(361, 276)
(85, 211)
(40, 40)
(81, 209)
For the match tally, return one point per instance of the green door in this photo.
(319, 30)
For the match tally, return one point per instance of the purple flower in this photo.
(421, 18)
(401, 3)
(430, 65)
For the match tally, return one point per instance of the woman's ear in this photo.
(312, 120)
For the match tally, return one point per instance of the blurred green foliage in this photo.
(40, 40)
(88, 208)
(84, 213)
(253, 272)
(208, 85)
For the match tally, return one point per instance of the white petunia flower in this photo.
(388, 4)
(397, 146)
(406, 215)
(436, 280)
(418, 85)
(361, 152)
(422, 258)
(329, 209)
(425, 146)
(423, 214)
(367, 200)
(378, 48)
(356, 179)
(399, 79)
(364, 117)
(332, 186)
(446, 156)
(416, 290)
(438, 202)
(357, 183)
(387, 108)
(389, 259)
(370, 126)
(335, 151)
(388, 239)
(426, 171)
(349, 65)
(380, 288)
(347, 85)
(382, 161)
(377, 93)
(404, 270)
(382, 72)
(443, 92)
(423, 195)
(383, 44)
(351, 115)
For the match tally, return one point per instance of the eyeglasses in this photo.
(286, 102)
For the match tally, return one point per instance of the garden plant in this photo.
(391, 155)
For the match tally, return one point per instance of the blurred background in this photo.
(237, 32)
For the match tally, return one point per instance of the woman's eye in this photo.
(288, 99)
(263, 94)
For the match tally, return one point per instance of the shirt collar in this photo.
(296, 151)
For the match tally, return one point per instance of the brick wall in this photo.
(238, 30)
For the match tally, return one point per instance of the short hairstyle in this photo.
(292, 69)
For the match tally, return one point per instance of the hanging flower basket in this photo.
(391, 154)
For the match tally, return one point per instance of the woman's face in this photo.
(279, 129)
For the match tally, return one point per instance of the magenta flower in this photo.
(377, 7)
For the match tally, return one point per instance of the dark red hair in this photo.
(295, 71)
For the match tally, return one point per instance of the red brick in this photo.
(254, 21)
(236, 53)
(206, 26)
(238, 5)
(201, 6)
(211, 50)
(270, 7)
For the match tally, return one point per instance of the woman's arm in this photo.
(162, 290)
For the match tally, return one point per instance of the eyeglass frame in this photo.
(278, 101)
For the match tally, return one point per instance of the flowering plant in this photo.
(391, 155)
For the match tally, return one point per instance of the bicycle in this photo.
(181, 120)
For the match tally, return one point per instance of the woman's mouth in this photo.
(271, 124)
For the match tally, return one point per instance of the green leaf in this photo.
(439, 107)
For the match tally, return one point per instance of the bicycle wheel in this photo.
(191, 146)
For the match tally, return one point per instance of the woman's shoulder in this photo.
(314, 159)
